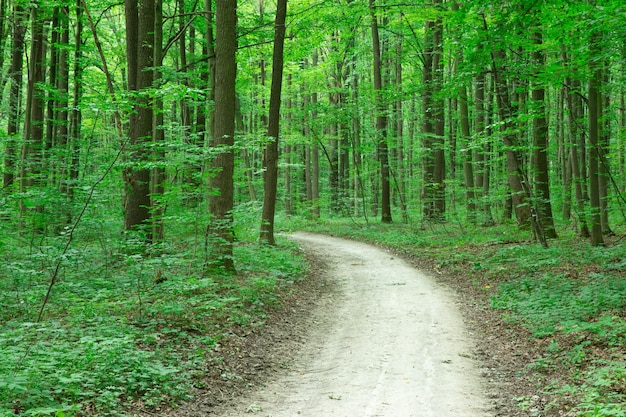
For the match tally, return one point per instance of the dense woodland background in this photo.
(148, 145)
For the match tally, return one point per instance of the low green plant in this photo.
(124, 325)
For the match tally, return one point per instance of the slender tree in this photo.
(140, 57)
(34, 117)
(77, 94)
(271, 150)
(381, 121)
(594, 133)
(15, 88)
(157, 180)
(540, 136)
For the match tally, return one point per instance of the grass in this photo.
(570, 297)
(123, 330)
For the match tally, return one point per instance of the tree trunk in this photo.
(401, 170)
(32, 149)
(574, 104)
(468, 166)
(594, 131)
(428, 128)
(140, 56)
(61, 113)
(76, 114)
(540, 135)
(381, 122)
(315, 157)
(220, 234)
(482, 154)
(14, 102)
(271, 151)
(604, 173)
(157, 180)
(438, 114)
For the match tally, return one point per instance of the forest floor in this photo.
(358, 338)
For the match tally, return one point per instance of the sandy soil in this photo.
(388, 342)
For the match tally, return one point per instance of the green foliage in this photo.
(553, 304)
(125, 326)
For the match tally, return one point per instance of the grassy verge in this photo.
(124, 331)
(570, 299)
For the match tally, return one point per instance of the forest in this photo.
(156, 153)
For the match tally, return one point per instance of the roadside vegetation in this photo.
(565, 303)
(123, 330)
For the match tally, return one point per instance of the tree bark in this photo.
(220, 233)
(594, 132)
(604, 172)
(14, 103)
(540, 136)
(273, 130)
(439, 116)
(140, 54)
(381, 122)
(32, 149)
(157, 180)
(468, 165)
(77, 93)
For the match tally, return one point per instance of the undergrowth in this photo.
(571, 297)
(124, 330)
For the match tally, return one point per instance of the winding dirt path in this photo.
(389, 343)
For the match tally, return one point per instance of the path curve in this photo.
(389, 343)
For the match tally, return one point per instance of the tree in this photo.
(271, 150)
(381, 121)
(220, 234)
(34, 117)
(540, 135)
(15, 88)
(594, 134)
(140, 56)
(433, 123)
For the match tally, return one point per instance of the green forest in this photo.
(155, 155)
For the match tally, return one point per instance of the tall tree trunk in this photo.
(210, 41)
(32, 149)
(271, 151)
(540, 135)
(468, 166)
(14, 103)
(61, 112)
(604, 173)
(439, 116)
(76, 114)
(428, 127)
(157, 180)
(4, 32)
(381, 122)
(483, 153)
(220, 233)
(574, 104)
(594, 134)
(401, 170)
(315, 156)
(140, 76)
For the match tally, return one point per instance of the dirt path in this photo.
(388, 343)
